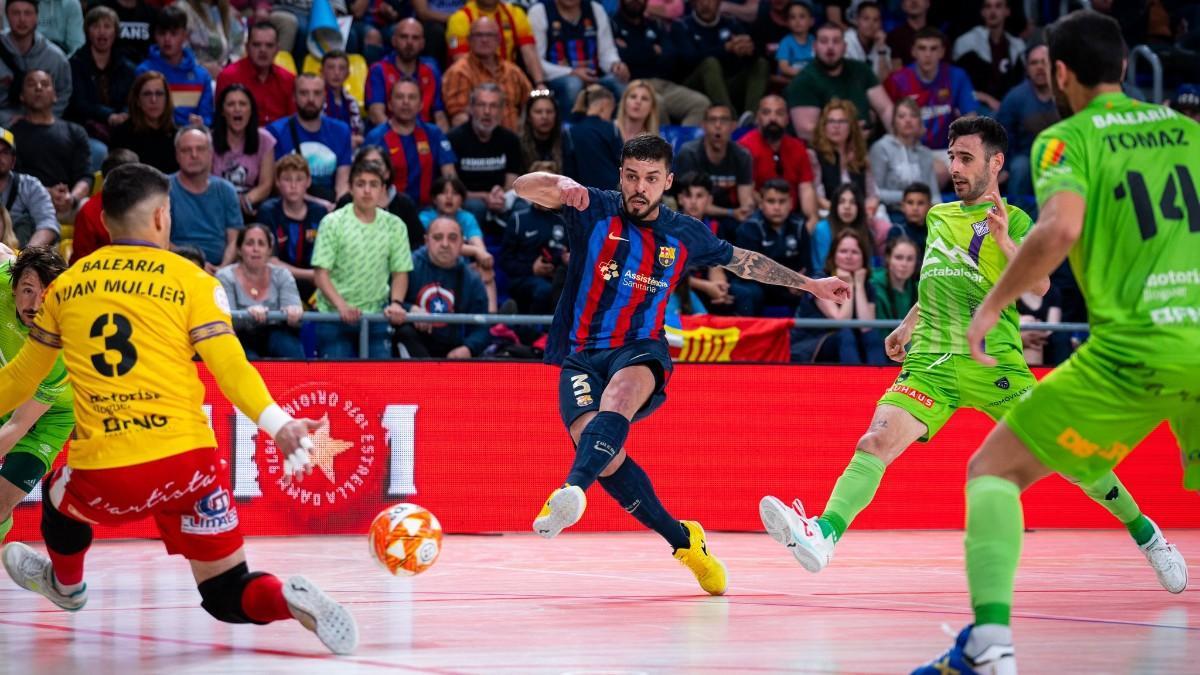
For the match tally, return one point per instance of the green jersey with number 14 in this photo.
(1137, 167)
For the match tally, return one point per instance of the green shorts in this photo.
(35, 453)
(1088, 414)
(931, 387)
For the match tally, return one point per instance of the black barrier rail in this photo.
(538, 320)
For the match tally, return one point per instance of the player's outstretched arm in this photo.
(244, 387)
(758, 267)
(20, 379)
(551, 190)
(1058, 228)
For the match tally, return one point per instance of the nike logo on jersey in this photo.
(615, 237)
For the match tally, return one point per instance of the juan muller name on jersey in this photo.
(149, 289)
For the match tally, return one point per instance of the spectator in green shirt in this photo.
(895, 283)
(361, 263)
(831, 76)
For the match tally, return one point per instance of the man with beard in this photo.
(323, 141)
(657, 51)
(406, 63)
(270, 85)
(778, 154)
(1025, 112)
(1115, 209)
(628, 252)
(970, 242)
(832, 76)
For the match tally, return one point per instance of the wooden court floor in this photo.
(619, 604)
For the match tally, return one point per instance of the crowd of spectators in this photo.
(377, 177)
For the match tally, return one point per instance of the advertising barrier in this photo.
(481, 445)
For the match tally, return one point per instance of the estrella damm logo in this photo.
(707, 345)
(666, 256)
(1077, 445)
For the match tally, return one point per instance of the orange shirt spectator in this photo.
(483, 65)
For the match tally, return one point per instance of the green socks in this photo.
(1107, 491)
(852, 493)
(995, 524)
(5, 528)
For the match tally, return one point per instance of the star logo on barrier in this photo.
(326, 448)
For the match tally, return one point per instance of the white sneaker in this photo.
(319, 613)
(32, 571)
(562, 509)
(801, 534)
(1168, 563)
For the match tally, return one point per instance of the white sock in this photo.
(67, 589)
(987, 635)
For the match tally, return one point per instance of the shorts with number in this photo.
(34, 454)
(931, 387)
(1091, 411)
(585, 374)
(188, 496)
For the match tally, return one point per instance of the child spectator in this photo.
(449, 193)
(361, 263)
(694, 193)
(915, 206)
(293, 220)
(796, 49)
(339, 103)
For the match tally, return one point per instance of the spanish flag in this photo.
(1053, 154)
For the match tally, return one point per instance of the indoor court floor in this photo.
(619, 604)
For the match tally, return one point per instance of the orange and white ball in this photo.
(405, 539)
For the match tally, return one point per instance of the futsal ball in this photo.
(405, 539)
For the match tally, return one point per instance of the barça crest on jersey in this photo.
(422, 147)
(981, 228)
(609, 270)
(666, 255)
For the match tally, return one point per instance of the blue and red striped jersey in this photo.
(622, 272)
(949, 96)
(417, 158)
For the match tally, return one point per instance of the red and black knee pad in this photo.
(221, 596)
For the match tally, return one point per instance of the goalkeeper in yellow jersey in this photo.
(128, 320)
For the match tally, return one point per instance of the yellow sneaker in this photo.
(563, 508)
(709, 571)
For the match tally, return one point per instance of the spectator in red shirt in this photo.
(270, 84)
(778, 154)
(90, 233)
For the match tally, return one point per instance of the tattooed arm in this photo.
(758, 267)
